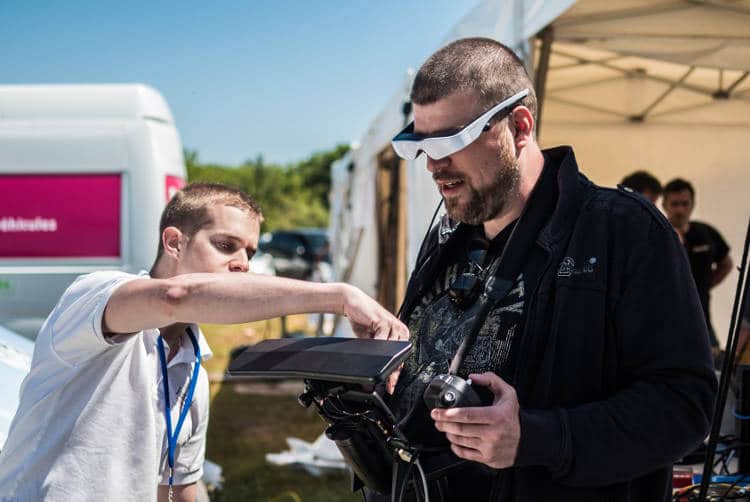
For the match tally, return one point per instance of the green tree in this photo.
(316, 171)
(290, 196)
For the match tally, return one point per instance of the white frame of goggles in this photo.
(409, 145)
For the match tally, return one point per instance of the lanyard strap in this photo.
(172, 438)
(505, 270)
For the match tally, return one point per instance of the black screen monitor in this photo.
(348, 360)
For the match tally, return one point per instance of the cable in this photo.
(427, 233)
(732, 486)
(719, 491)
(729, 357)
(419, 263)
(405, 481)
(439, 488)
(291, 494)
(424, 480)
(417, 493)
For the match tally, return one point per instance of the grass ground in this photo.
(244, 427)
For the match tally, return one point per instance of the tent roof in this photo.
(593, 84)
(627, 60)
(664, 60)
(709, 33)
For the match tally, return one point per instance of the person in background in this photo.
(116, 402)
(644, 183)
(707, 250)
(743, 347)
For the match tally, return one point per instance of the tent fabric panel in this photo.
(714, 34)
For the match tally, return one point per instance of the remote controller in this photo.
(451, 391)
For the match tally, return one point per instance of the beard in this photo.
(489, 201)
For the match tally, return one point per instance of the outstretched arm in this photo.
(721, 271)
(230, 298)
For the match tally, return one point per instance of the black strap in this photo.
(512, 259)
(423, 254)
(434, 260)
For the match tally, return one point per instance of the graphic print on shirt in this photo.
(438, 327)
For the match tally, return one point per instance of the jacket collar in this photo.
(572, 186)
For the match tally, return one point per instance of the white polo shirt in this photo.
(90, 424)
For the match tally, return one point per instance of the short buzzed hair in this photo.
(481, 65)
(188, 208)
(678, 185)
(642, 181)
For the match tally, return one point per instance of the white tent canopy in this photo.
(712, 34)
(634, 84)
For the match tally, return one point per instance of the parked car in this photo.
(262, 263)
(297, 253)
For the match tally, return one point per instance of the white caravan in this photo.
(85, 171)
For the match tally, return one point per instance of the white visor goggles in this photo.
(409, 145)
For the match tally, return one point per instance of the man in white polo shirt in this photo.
(91, 424)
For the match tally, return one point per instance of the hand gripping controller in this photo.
(451, 391)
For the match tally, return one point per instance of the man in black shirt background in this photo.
(707, 250)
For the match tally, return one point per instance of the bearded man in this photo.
(595, 349)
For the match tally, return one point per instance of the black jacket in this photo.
(614, 373)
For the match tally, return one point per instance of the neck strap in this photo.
(172, 437)
(506, 269)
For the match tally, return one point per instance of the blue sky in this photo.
(278, 78)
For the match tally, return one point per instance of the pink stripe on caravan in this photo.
(172, 184)
(60, 216)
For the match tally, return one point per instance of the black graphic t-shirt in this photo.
(438, 326)
(705, 247)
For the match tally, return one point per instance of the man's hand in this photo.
(489, 434)
(721, 270)
(370, 320)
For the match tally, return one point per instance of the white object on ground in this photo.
(316, 458)
(212, 474)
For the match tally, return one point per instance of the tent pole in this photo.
(547, 36)
(579, 63)
(578, 85)
(737, 82)
(587, 106)
(625, 71)
(642, 116)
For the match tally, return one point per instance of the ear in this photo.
(172, 240)
(664, 202)
(521, 123)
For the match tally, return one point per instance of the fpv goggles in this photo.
(408, 145)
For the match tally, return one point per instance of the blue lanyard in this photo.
(172, 438)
